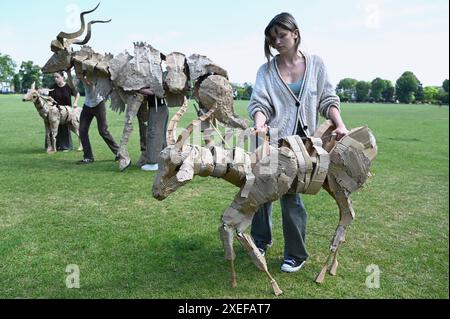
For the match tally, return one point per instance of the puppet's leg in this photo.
(54, 130)
(226, 236)
(134, 102)
(233, 218)
(74, 126)
(346, 214)
(48, 133)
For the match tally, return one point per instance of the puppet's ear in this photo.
(186, 172)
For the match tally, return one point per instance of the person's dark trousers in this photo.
(87, 114)
(156, 132)
(294, 218)
(142, 116)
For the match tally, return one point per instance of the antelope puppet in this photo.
(292, 166)
(123, 76)
(53, 116)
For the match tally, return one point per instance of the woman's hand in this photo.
(146, 91)
(86, 79)
(340, 132)
(260, 123)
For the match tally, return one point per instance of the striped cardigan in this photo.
(284, 111)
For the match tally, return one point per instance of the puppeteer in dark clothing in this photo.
(63, 96)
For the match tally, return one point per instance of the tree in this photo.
(362, 91)
(17, 82)
(242, 91)
(7, 68)
(248, 90)
(235, 88)
(47, 80)
(443, 93)
(377, 87)
(419, 96)
(388, 93)
(29, 73)
(406, 87)
(430, 94)
(346, 89)
(445, 85)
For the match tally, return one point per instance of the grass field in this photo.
(128, 245)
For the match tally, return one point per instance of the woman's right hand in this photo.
(260, 123)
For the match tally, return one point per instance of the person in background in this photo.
(62, 93)
(94, 106)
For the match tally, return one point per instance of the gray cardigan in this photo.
(272, 96)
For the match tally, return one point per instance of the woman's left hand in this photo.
(146, 91)
(340, 132)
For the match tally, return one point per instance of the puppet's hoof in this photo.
(333, 269)
(276, 289)
(321, 276)
(124, 164)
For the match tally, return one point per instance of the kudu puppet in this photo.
(290, 165)
(122, 77)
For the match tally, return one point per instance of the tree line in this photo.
(27, 73)
(407, 89)
(242, 91)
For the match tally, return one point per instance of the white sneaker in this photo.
(290, 265)
(150, 167)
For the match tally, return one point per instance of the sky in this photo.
(362, 39)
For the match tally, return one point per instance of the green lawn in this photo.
(127, 245)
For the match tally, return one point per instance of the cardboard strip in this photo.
(220, 162)
(243, 163)
(308, 164)
(301, 163)
(321, 169)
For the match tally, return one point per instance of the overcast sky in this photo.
(362, 39)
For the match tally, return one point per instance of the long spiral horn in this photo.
(89, 32)
(62, 35)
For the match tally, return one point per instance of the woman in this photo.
(62, 93)
(290, 92)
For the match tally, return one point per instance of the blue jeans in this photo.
(294, 219)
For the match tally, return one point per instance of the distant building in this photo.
(6, 87)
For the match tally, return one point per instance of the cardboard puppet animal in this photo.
(292, 166)
(54, 115)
